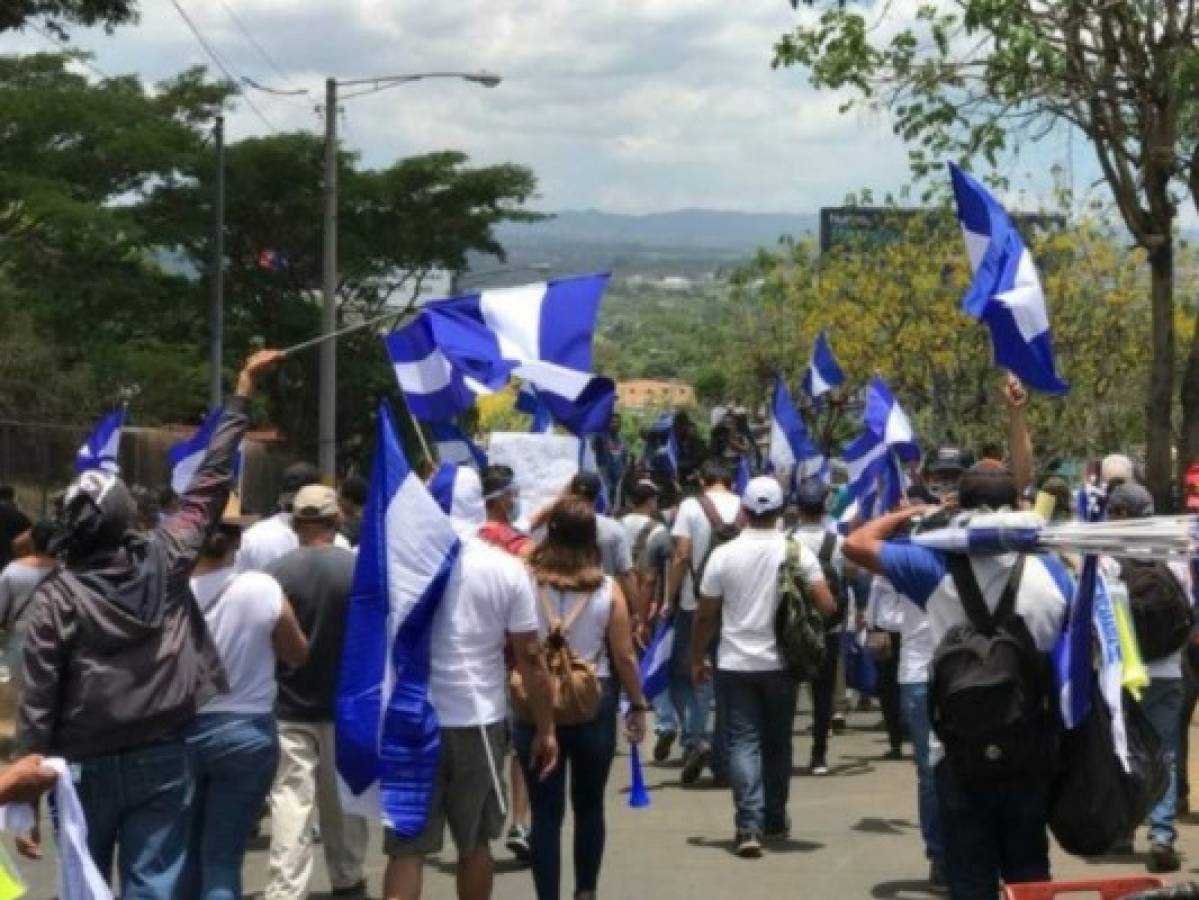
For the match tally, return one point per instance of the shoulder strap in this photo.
(643, 537)
(828, 545)
(1007, 601)
(564, 624)
(710, 512)
(970, 594)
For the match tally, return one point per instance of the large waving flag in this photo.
(186, 456)
(876, 478)
(388, 738)
(455, 446)
(823, 372)
(541, 333)
(1006, 291)
(102, 449)
(792, 453)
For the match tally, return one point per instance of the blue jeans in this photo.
(665, 720)
(913, 700)
(1162, 703)
(138, 802)
(992, 831)
(234, 758)
(587, 751)
(691, 703)
(760, 707)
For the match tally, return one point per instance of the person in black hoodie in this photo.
(118, 659)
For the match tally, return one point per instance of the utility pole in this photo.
(216, 286)
(327, 429)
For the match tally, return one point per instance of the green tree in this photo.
(57, 14)
(893, 310)
(972, 78)
(396, 226)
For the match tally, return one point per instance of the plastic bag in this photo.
(861, 670)
(1095, 803)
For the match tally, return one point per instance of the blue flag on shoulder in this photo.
(388, 738)
(823, 372)
(102, 449)
(1006, 291)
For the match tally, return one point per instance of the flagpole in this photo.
(333, 335)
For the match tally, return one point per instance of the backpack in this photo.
(989, 697)
(641, 545)
(575, 685)
(722, 533)
(1161, 612)
(798, 624)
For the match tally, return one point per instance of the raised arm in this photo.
(201, 506)
(1019, 440)
(864, 546)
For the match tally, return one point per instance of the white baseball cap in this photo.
(762, 495)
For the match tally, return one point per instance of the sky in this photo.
(623, 105)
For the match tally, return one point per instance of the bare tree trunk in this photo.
(1159, 402)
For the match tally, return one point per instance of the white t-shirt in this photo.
(588, 635)
(744, 574)
(269, 539)
(488, 597)
(888, 606)
(692, 523)
(242, 621)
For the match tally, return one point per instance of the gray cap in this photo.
(1129, 501)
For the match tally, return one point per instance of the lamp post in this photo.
(327, 397)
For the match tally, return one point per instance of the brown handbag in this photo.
(573, 680)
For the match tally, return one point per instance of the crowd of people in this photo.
(187, 672)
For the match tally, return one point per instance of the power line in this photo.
(220, 63)
(76, 55)
(250, 37)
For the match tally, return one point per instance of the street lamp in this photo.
(327, 424)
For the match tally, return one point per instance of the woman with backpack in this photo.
(585, 624)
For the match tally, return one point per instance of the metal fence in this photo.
(38, 459)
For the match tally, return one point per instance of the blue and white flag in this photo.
(459, 493)
(823, 372)
(1072, 654)
(792, 455)
(876, 477)
(102, 449)
(186, 456)
(1006, 291)
(529, 402)
(459, 348)
(388, 737)
(741, 476)
(655, 662)
(455, 446)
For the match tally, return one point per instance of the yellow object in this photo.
(1136, 677)
(1044, 505)
(12, 885)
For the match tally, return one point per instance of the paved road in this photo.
(854, 836)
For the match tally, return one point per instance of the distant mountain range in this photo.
(709, 229)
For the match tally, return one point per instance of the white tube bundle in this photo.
(1156, 537)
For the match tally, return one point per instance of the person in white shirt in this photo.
(739, 596)
(488, 605)
(692, 533)
(1162, 700)
(896, 612)
(233, 741)
(269, 539)
(828, 688)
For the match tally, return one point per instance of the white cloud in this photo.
(634, 106)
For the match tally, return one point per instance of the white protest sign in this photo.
(542, 463)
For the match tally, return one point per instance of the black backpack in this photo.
(722, 533)
(989, 698)
(836, 585)
(1161, 611)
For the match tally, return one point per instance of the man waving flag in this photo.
(1005, 292)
